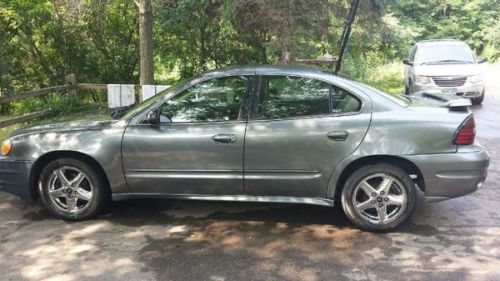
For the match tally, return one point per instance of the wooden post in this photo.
(145, 10)
(71, 81)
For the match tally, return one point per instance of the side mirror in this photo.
(152, 118)
(482, 60)
(408, 62)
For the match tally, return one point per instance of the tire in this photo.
(398, 199)
(407, 90)
(479, 100)
(88, 192)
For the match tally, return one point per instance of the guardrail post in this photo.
(71, 81)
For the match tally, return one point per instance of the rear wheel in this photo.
(379, 197)
(72, 190)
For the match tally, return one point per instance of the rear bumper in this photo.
(453, 174)
(15, 178)
(467, 90)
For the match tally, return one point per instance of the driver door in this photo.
(198, 146)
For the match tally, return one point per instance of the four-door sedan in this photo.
(262, 134)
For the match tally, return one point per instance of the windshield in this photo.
(444, 54)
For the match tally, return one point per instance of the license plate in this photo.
(450, 91)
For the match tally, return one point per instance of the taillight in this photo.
(466, 133)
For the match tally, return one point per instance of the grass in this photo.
(388, 78)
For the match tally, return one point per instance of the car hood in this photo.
(65, 127)
(447, 69)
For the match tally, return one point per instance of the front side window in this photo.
(218, 99)
(288, 96)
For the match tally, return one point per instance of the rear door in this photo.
(300, 129)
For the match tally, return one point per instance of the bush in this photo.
(388, 77)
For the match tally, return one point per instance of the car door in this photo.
(197, 148)
(299, 130)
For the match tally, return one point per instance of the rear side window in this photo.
(289, 96)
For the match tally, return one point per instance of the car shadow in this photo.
(143, 212)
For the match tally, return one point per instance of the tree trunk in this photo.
(146, 41)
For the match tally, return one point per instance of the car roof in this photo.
(270, 69)
(305, 71)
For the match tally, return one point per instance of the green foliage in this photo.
(57, 103)
(43, 41)
(472, 21)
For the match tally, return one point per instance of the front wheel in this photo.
(407, 90)
(479, 100)
(72, 190)
(379, 197)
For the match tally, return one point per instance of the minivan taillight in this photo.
(466, 133)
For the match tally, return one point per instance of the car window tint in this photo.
(288, 96)
(218, 99)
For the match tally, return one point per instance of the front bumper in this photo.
(15, 178)
(453, 174)
(467, 90)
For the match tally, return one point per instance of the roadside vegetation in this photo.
(43, 41)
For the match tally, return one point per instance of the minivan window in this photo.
(439, 54)
(289, 96)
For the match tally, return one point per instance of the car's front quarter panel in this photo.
(101, 142)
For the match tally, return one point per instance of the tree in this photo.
(146, 41)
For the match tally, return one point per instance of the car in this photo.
(447, 65)
(283, 134)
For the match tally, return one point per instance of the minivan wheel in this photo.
(407, 90)
(379, 197)
(72, 190)
(479, 100)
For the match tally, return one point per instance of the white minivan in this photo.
(446, 64)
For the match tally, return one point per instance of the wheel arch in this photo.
(45, 159)
(401, 162)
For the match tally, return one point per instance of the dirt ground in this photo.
(457, 239)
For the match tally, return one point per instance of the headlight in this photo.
(419, 79)
(6, 147)
(475, 79)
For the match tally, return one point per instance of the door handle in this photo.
(338, 135)
(225, 138)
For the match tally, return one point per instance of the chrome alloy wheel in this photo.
(380, 199)
(70, 189)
